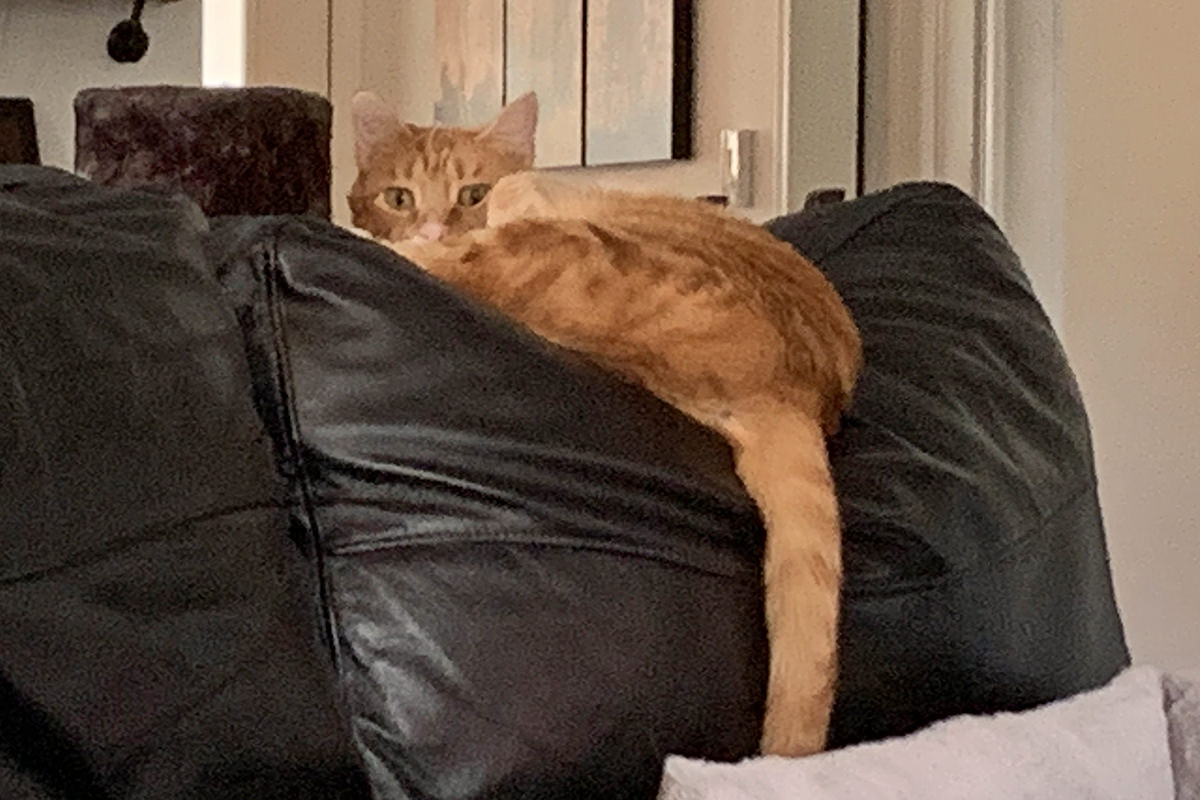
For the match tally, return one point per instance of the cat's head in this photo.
(433, 182)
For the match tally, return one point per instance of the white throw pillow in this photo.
(1108, 744)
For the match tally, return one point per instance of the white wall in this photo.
(1132, 292)
(50, 49)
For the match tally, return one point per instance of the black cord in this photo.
(128, 41)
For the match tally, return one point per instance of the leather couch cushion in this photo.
(157, 633)
(532, 579)
(976, 568)
(544, 581)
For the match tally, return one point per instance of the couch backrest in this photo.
(158, 632)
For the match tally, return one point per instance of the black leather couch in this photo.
(281, 516)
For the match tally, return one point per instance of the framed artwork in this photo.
(469, 40)
(613, 77)
(543, 53)
(638, 81)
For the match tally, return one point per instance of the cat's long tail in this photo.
(782, 461)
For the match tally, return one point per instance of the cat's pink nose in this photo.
(432, 231)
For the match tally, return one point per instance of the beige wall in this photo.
(1132, 298)
(385, 46)
(50, 49)
(290, 45)
(266, 43)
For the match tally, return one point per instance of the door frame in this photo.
(820, 104)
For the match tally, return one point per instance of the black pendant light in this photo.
(128, 41)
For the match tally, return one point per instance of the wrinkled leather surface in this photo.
(157, 633)
(976, 569)
(485, 500)
(535, 581)
(544, 580)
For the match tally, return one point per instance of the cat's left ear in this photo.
(515, 127)
(376, 126)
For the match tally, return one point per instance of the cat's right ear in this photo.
(376, 127)
(515, 128)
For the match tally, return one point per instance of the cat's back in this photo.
(709, 246)
(705, 245)
(689, 255)
(697, 234)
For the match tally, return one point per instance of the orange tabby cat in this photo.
(730, 325)
(430, 182)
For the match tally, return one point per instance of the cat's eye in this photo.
(474, 194)
(399, 198)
